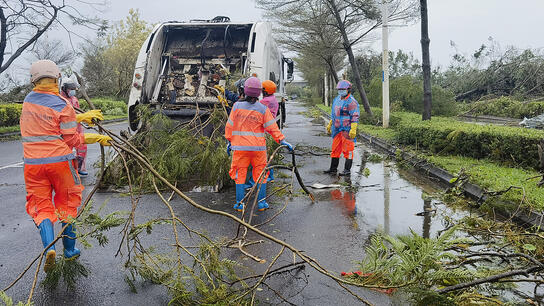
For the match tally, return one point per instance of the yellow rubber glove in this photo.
(220, 88)
(94, 138)
(88, 117)
(223, 100)
(353, 131)
(329, 126)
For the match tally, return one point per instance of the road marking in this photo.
(16, 165)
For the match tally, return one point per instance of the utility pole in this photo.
(385, 66)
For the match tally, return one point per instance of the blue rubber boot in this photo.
(240, 194)
(47, 232)
(69, 242)
(250, 182)
(262, 195)
(270, 178)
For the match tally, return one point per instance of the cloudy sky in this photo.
(468, 23)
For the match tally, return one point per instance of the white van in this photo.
(180, 62)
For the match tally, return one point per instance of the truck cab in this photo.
(180, 63)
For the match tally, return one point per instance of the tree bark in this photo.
(425, 41)
(22, 48)
(332, 70)
(349, 51)
(3, 35)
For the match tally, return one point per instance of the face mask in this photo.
(343, 92)
(71, 93)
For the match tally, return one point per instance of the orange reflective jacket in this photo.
(246, 125)
(48, 128)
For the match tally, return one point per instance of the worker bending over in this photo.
(49, 134)
(244, 130)
(343, 127)
(232, 96)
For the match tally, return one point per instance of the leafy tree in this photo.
(109, 67)
(400, 64)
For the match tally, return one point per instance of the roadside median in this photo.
(113, 110)
(492, 182)
(13, 131)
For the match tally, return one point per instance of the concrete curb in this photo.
(104, 122)
(523, 217)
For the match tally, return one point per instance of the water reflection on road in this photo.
(389, 200)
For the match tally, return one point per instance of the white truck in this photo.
(180, 62)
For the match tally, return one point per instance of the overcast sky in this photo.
(468, 23)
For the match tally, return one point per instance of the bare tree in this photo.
(305, 27)
(427, 95)
(356, 19)
(53, 50)
(338, 24)
(23, 22)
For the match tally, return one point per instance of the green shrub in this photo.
(407, 92)
(109, 107)
(10, 113)
(509, 145)
(506, 107)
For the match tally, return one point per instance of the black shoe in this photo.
(347, 168)
(334, 166)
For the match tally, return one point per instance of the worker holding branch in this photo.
(49, 134)
(245, 131)
(343, 128)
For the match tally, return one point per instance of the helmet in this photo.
(269, 87)
(252, 87)
(69, 84)
(240, 83)
(44, 69)
(343, 85)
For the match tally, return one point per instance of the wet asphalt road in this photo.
(334, 230)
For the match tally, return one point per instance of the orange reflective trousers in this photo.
(341, 143)
(42, 180)
(242, 159)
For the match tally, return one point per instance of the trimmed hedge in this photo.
(10, 113)
(108, 106)
(509, 145)
(506, 107)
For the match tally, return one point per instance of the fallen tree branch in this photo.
(491, 279)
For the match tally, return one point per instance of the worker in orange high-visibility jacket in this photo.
(245, 131)
(49, 134)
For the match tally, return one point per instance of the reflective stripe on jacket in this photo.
(48, 128)
(344, 112)
(246, 126)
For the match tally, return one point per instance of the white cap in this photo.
(44, 69)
